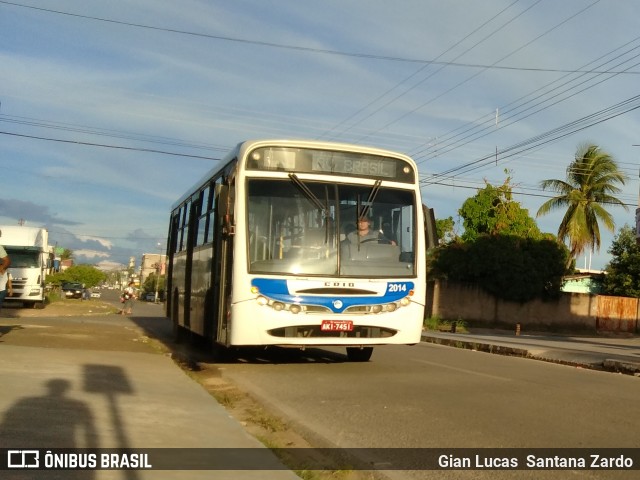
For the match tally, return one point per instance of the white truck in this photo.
(31, 260)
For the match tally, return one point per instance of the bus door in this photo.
(222, 263)
(172, 249)
(179, 273)
(190, 242)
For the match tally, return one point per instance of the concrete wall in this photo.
(451, 301)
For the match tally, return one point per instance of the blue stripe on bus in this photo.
(278, 290)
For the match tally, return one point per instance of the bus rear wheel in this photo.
(357, 354)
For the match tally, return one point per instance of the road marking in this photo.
(463, 370)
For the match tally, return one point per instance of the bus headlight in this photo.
(404, 302)
(295, 308)
(262, 300)
(277, 306)
(376, 309)
(390, 307)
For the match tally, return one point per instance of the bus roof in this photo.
(240, 149)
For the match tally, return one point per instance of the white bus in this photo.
(265, 249)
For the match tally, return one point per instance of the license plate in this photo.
(336, 326)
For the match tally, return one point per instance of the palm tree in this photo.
(592, 180)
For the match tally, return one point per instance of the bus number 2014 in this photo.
(397, 287)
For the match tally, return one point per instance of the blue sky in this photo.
(92, 92)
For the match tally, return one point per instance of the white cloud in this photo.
(90, 254)
(105, 243)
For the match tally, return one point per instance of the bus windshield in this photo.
(303, 227)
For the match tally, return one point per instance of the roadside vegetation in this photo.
(88, 275)
(436, 323)
(623, 272)
(502, 250)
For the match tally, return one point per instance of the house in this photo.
(584, 281)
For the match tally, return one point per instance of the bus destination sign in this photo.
(364, 165)
(335, 162)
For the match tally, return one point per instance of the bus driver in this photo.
(364, 233)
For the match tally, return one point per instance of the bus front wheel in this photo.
(357, 354)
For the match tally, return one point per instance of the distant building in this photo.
(64, 264)
(152, 263)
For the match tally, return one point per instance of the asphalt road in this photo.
(431, 396)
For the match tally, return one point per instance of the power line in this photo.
(553, 135)
(118, 147)
(515, 114)
(515, 192)
(405, 80)
(291, 47)
(459, 84)
(70, 127)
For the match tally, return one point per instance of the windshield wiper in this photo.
(324, 208)
(372, 197)
(310, 195)
(363, 211)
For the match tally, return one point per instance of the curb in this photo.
(617, 366)
(478, 346)
(608, 365)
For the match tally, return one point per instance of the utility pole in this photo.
(638, 211)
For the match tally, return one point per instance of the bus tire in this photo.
(220, 353)
(358, 354)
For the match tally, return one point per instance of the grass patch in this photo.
(266, 421)
(438, 324)
(226, 399)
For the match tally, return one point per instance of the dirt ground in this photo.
(46, 327)
(62, 308)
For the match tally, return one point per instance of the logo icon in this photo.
(23, 459)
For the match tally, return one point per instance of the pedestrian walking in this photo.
(127, 299)
(5, 261)
(6, 288)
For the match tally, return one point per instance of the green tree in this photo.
(502, 249)
(592, 180)
(88, 275)
(623, 271)
(445, 229)
(493, 211)
(150, 286)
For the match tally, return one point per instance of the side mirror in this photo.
(431, 234)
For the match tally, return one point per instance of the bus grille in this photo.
(313, 331)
